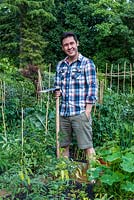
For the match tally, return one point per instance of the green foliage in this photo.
(102, 27)
(29, 168)
(30, 30)
(22, 25)
(113, 31)
(116, 177)
(15, 93)
(114, 120)
(6, 67)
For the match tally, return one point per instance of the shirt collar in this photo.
(78, 59)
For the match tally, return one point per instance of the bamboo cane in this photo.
(131, 76)
(111, 76)
(3, 107)
(57, 128)
(22, 131)
(48, 101)
(101, 91)
(106, 76)
(124, 77)
(118, 78)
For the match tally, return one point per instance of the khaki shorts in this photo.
(80, 127)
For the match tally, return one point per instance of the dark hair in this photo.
(68, 34)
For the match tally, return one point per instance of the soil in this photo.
(78, 187)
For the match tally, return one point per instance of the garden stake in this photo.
(57, 128)
(57, 118)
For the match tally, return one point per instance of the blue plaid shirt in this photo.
(78, 85)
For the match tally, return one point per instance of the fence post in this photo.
(124, 76)
(48, 100)
(101, 91)
(131, 77)
(106, 76)
(39, 87)
(111, 76)
(118, 78)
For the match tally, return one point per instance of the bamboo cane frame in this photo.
(118, 74)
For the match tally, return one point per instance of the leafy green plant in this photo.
(29, 168)
(113, 120)
(115, 178)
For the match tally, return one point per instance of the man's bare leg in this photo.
(65, 152)
(90, 154)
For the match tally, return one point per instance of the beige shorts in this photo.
(78, 126)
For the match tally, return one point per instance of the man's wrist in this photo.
(88, 108)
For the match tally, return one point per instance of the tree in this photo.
(30, 30)
(72, 15)
(22, 24)
(102, 26)
(115, 32)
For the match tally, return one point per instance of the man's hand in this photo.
(57, 93)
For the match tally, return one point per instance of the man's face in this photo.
(70, 46)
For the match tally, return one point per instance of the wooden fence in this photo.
(119, 78)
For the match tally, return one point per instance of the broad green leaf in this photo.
(128, 186)
(94, 173)
(128, 167)
(128, 162)
(115, 156)
(111, 178)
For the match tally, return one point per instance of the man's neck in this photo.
(72, 59)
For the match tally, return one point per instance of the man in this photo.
(76, 78)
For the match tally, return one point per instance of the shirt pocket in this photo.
(62, 74)
(76, 74)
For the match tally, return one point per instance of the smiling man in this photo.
(76, 77)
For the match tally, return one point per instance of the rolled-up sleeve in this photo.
(91, 83)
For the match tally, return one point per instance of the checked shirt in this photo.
(78, 85)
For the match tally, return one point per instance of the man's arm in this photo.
(92, 86)
(91, 83)
(88, 109)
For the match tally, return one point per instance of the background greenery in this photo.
(30, 30)
(29, 168)
(30, 42)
